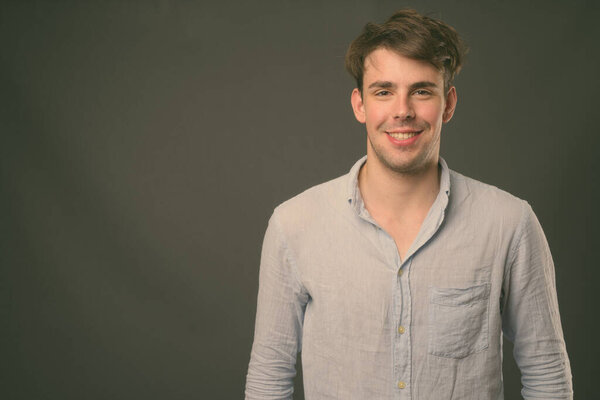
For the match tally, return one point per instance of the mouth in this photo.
(403, 135)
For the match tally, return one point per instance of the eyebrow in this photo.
(388, 85)
(382, 84)
(423, 84)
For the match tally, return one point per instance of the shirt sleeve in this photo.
(279, 319)
(530, 315)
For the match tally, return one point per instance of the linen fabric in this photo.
(372, 326)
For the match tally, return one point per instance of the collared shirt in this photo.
(372, 326)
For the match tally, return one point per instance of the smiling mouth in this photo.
(403, 135)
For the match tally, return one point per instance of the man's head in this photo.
(404, 70)
(413, 36)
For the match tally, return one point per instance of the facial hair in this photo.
(415, 166)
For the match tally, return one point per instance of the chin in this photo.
(407, 167)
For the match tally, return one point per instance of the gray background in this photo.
(143, 146)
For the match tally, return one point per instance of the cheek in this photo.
(376, 116)
(433, 115)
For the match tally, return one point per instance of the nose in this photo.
(403, 108)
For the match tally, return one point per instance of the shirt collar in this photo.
(354, 197)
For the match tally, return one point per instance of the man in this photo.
(397, 280)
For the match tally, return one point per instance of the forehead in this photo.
(388, 65)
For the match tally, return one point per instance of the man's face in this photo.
(403, 106)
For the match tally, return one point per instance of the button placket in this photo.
(403, 350)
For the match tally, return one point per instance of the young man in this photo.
(397, 280)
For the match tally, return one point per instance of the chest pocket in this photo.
(458, 320)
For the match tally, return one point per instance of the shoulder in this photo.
(487, 202)
(312, 204)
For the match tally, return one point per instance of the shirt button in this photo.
(401, 385)
(399, 272)
(401, 329)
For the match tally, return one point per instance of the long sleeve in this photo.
(530, 315)
(279, 318)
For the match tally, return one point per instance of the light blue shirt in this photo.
(372, 326)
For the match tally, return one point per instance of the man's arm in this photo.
(530, 315)
(279, 319)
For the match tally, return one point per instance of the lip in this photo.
(406, 130)
(403, 142)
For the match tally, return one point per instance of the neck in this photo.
(394, 194)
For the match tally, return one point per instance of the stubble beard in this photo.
(413, 167)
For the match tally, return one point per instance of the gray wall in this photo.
(143, 146)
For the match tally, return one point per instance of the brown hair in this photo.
(414, 36)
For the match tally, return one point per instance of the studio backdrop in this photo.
(144, 145)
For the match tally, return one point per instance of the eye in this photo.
(382, 93)
(422, 92)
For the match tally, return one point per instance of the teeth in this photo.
(402, 136)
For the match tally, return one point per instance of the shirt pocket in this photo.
(458, 320)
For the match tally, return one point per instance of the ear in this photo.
(451, 100)
(358, 106)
